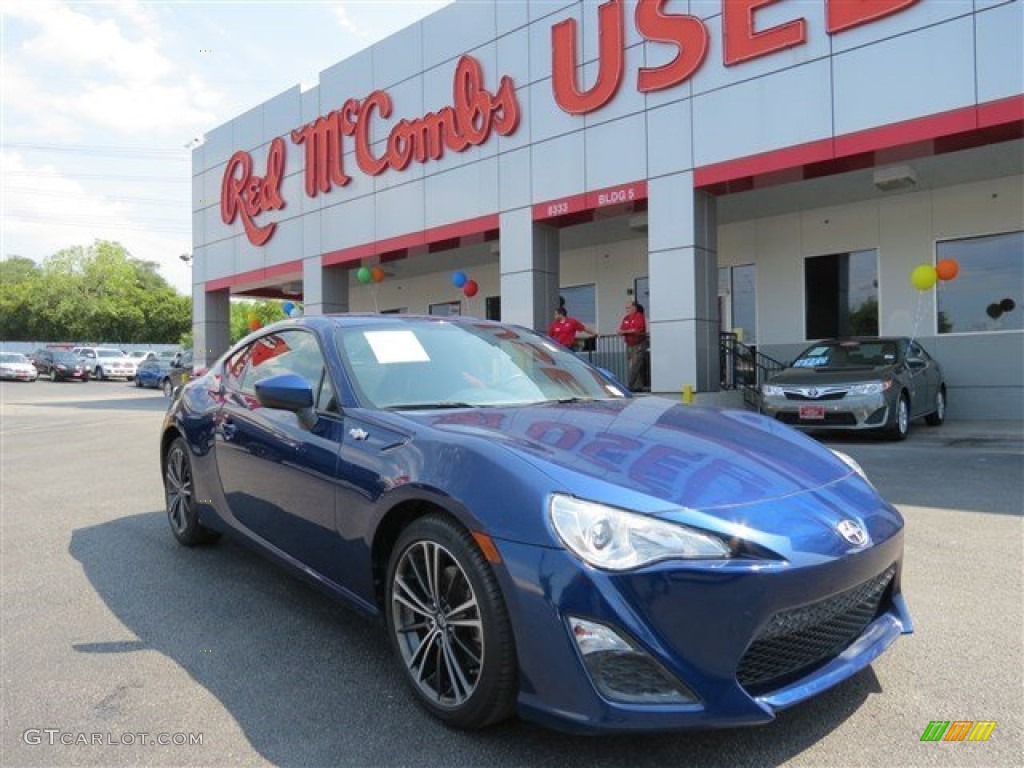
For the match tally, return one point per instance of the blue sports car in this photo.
(535, 539)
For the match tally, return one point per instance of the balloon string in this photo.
(918, 314)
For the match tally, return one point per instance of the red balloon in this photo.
(947, 269)
(470, 288)
(377, 274)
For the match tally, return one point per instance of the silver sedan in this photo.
(859, 383)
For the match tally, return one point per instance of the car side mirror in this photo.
(288, 392)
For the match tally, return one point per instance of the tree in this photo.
(243, 311)
(90, 293)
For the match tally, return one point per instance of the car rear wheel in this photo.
(936, 417)
(900, 425)
(53, 375)
(179, 493)
(98, 373)
(448, 625)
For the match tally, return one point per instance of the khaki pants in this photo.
(636, 354)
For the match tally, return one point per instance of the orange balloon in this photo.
(377, 274)
(947, 269)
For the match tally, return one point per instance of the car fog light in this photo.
(622, 672)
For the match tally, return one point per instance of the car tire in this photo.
(179, 497)
(167, 387)
(936, 417)
(53, 375)
(900, 425)
(138, 383)
(465, 673)
(98, 373)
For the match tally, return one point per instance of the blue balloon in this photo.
(459, 279)
(287, 307)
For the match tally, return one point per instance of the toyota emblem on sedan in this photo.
(853, 532)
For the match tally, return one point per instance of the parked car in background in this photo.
(107, 362)
(42, 359)
(863, 383)
(181, 370)
(140, 355)
(533, 537)
(15, 366)
(157, 374)
(67, 366)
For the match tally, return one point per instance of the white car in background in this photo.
(107, 362)
(14, 366)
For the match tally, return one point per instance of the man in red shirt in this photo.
(633, 330)
(564, 328)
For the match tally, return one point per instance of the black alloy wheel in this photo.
(448, 625)
(179, 492)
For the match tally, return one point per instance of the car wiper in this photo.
(564, 400)
(428, 406)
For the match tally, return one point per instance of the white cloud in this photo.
(344, 19)
(89, 70)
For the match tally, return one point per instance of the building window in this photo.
(581, 302)
(446, 309)
(737, 301)
(988, 290)
(841, 292)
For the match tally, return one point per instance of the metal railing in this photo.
(609, 352)
(744, 368)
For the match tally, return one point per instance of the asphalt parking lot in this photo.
(114, 633)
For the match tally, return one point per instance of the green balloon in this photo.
(364, 275)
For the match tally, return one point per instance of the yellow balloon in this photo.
(923, 276)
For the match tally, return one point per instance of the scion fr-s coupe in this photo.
(535, 539)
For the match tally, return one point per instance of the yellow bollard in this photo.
(688, 394)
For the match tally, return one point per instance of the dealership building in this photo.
(770, 169)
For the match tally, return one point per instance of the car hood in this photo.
(675, 455)
(819, 377)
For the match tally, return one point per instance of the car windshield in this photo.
(108, 353)
(66, 357)
(847, 354)
(433, 364)
(12, 357)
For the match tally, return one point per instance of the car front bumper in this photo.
(699, 622)
(850, 412)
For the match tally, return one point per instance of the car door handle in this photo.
(228, 428)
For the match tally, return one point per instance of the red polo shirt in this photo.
(635, 327)
(564, 330)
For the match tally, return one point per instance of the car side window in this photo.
(294, 352)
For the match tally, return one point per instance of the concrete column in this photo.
(528, 264)
(683, 271)
(324, 289)
(211, 324)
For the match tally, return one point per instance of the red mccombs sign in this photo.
(476, 113)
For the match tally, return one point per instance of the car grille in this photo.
(807, 398)
(793, 643)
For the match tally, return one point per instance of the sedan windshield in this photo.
(432, 364)
(12, 357)
(847, 354)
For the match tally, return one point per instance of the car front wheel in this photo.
(936, 417)
(180, 495)
(98, 373)
(900, 425)
(53, 375)
(167, 387)
(448, 625)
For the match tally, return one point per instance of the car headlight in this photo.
(771, 390)
(852, 464)
(871, 388)
(617, 540)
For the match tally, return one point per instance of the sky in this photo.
(100, 102)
